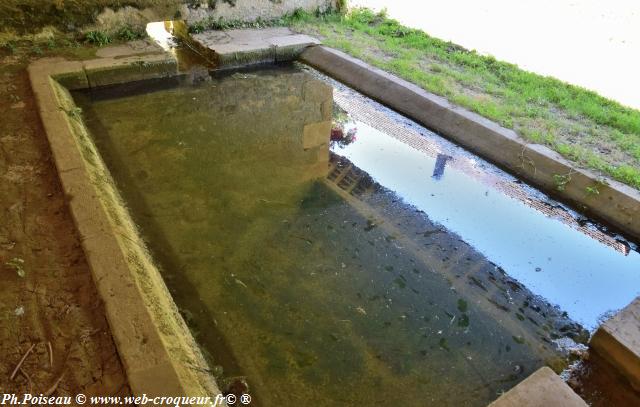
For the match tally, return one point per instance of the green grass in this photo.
(75, 46)
(590, 130)
(129, 33)
(98, 38)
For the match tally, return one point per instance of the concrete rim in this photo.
(160, 356)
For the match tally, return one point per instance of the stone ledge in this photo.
(111, 71)
(249, 46)
(618, 341)
(117, 69)
(543, 388)
(159, 355)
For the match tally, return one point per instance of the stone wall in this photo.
(27, 16)
(249, 10)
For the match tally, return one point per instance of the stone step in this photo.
(251, 46)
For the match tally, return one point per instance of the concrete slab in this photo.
(618, 341)
(110, 71)
(140, 47)
(251, 46)
(293, 40)
(543, 388)
(68, 73)
(289, 47)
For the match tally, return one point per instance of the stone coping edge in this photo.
(618, 341)
(159, 354)
(608, 200)
(543, 388)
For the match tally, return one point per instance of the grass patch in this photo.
(98, 38)
(129, 33)
(51, 42)
(583, 126)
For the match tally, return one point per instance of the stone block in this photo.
(69, 73)
(110, 71)
(316, 92)
(138, 47)
(618, 341)
(316, 134)
(543, 388)
(326, 109)
(231, 56)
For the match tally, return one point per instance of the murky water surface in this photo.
(383, 266)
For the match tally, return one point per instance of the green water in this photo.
(316, 296)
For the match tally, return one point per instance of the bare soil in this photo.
(55, 301)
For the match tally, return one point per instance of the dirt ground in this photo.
(47, 295)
